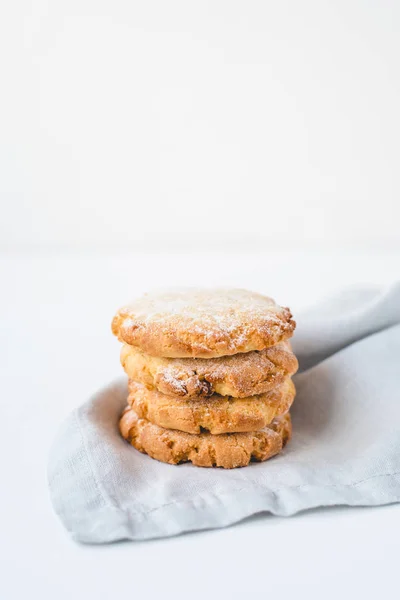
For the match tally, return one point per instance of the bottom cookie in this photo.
(227, 450)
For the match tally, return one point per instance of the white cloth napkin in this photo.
(345, 447)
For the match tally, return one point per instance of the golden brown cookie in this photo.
(202, 323)
(239, 376)
(217, 414)
(228, 450)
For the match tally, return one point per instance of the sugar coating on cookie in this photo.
(227, 450)
(241, 375)
(202, 323)
(216, 415)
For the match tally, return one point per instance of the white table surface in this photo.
(56, 349)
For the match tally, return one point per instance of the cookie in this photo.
(202, 323)
(228, 450)
(239, 376)
(216, 415)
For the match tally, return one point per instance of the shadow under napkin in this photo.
(345, 448)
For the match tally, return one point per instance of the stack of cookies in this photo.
(209, 376)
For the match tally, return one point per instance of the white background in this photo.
(152, 143)
(154, 123)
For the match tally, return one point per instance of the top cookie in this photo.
(202, 323)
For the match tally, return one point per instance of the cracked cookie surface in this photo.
(217, 414)
(227, 450)
(202, 323)
(239, 376)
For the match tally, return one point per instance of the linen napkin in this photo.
(345, 448)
